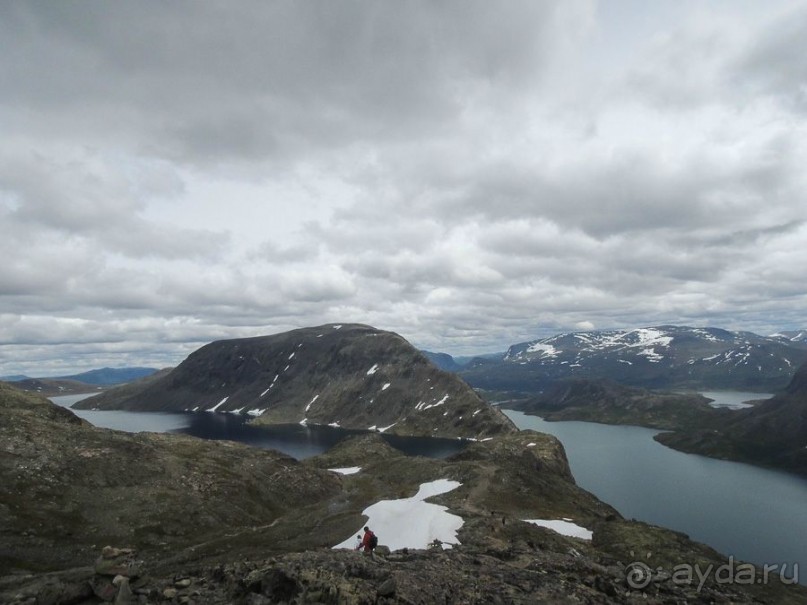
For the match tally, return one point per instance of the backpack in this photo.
(373, 541)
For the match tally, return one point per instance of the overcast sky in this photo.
(467, 174)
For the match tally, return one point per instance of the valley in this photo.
(244, 524)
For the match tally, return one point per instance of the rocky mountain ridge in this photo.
(653, 357)
(199, 522)
(343, 375)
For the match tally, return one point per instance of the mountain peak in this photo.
(343, 375)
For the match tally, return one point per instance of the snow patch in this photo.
(545, 349)
(215, 407)
(422, 405)
(372, 370)
(337, 327)
(348, 470)
(386, 428)
(532, 444)
(256, 411)
(412, 522)
(310, 403)
(565, 528)
(386, 386)
(291, 356)
(651, 355)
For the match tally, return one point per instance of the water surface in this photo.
(755, 514)
(294, 440)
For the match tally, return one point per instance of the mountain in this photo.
(86, 382)
(608, 402)
(796, 338)
(53, 387)
(655, 357)
(771, 433)
(188, 520)
(444, 361)
(350, 376)
(110, 376)
(13, 377)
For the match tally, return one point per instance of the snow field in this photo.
(412, 522)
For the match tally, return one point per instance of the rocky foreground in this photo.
(188, 521)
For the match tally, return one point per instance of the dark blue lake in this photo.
(295, 440)
(756, 514)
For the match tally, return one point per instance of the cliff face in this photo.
(772, 433)
(352, 376)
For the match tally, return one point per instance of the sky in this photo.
(467, 174)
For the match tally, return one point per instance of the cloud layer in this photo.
(468, 175)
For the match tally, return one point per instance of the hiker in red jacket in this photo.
(368, 542)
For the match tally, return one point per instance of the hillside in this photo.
(217, 522)
(110, 376)
(772, 433)
(662, 357)
(608, 402)
(54, 387)
(351, 376)
(69, 487)
(85, 382)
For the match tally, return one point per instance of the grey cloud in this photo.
(268, 76)
(776, 63)
(470, 174)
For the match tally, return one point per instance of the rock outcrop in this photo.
(351, 376)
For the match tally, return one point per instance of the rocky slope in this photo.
(608, 402)
(656, 357)
(352, 376)
(256, 528)
(68, 486)
(772, 433)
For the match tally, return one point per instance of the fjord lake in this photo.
(752, 513)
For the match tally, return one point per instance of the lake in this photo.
(734, 399)
(296, 440)
(755, 514)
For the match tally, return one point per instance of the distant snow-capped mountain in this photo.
(654, 357)
(794, 337)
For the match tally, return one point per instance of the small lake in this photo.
(755, 514)
(734, 399)
(295, 440)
